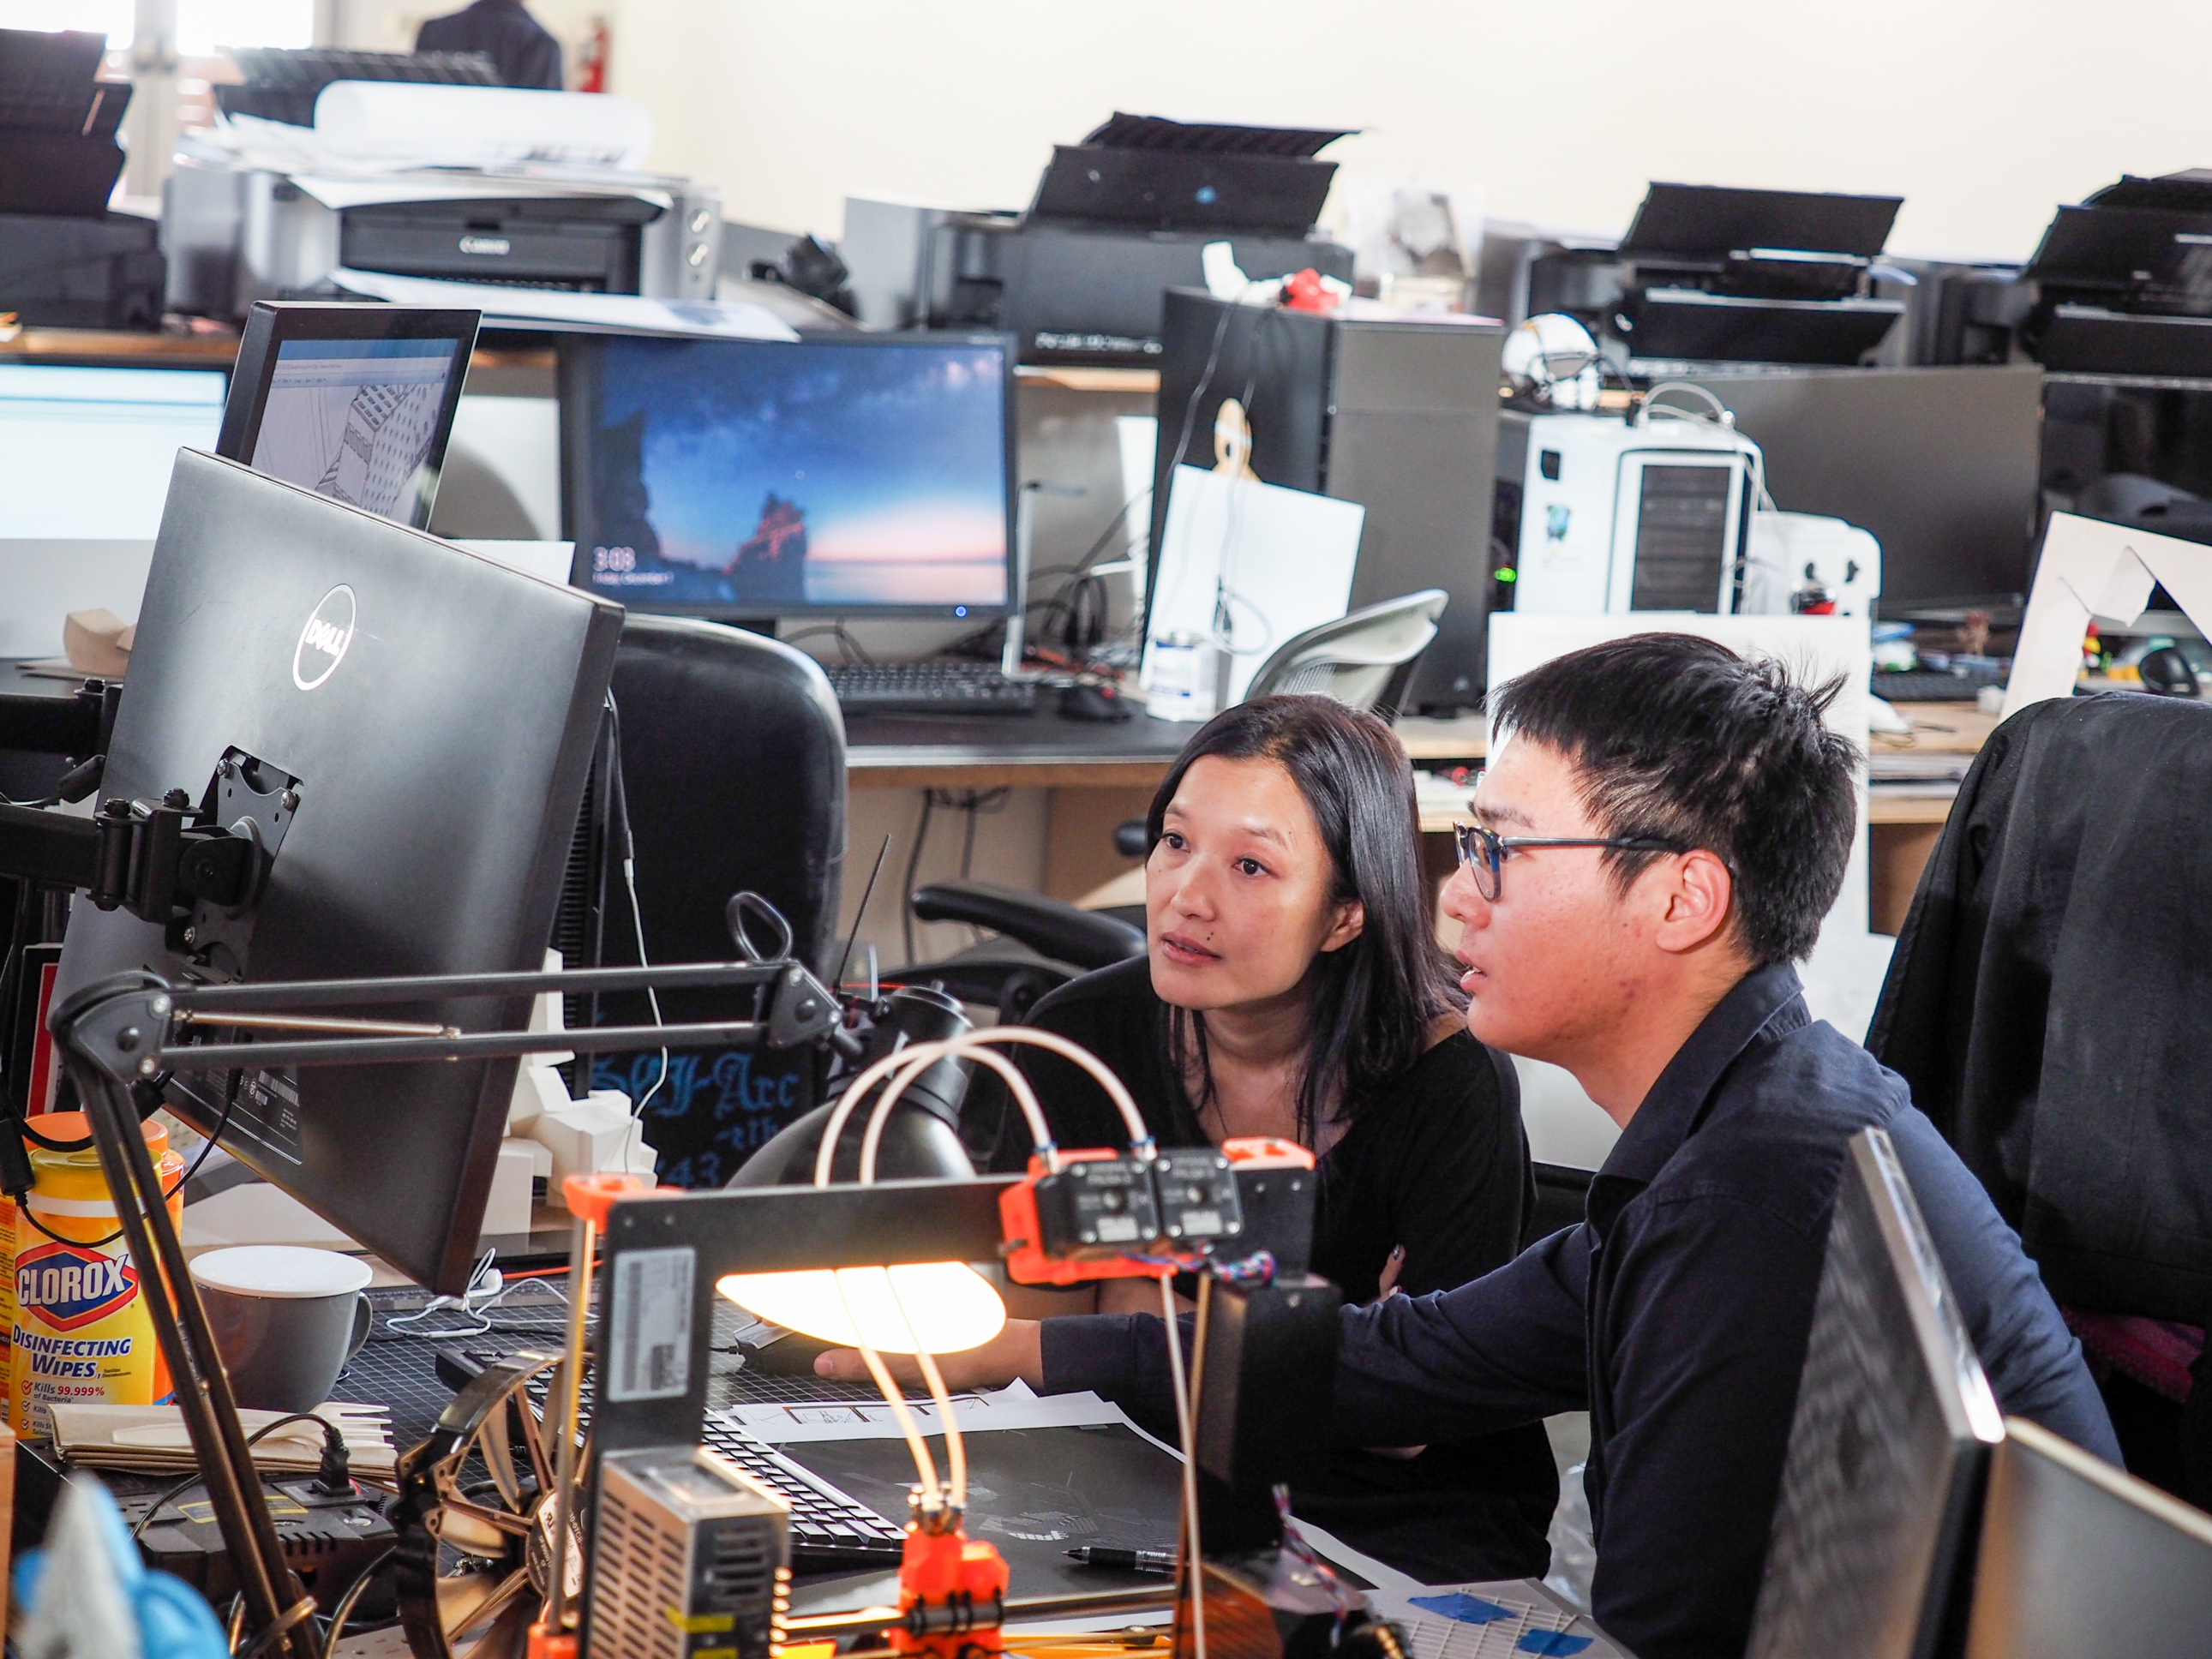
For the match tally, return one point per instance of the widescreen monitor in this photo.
(85, 452)
(353, 401)
(1889, 1442)
(435, 713)
(750, 479)
(1940, 465)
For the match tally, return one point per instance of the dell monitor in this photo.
(432, 715)
(745, 480)
(1889, 1443)
(354, 402)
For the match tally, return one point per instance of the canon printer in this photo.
(1117, 220)
(251, 215)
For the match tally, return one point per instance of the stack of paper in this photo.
(152, 1439)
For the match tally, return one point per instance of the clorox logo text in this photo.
(324, 640)
(65, 1288)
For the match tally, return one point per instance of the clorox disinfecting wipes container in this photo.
(78, 1330)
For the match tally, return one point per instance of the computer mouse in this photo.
(2167, 673)
(1094, 703)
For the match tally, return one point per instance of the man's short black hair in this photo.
(1679, 739)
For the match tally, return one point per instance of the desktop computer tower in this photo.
(1396, 411)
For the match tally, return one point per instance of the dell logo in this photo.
(324, 640)
(494, 246)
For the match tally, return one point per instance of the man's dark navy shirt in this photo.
(1677, 1315)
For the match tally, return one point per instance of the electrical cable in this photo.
(914, 870)
(628, 849)
(332, 1437)
(343, 1612)
(1191, 1558)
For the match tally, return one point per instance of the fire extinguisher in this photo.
(591, 58)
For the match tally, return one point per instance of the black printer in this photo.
(1117, 220)
(2124, 282)
(65, 261)
(1713, 275)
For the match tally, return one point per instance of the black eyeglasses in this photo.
(1483, 852)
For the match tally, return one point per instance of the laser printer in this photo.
(1117, 220)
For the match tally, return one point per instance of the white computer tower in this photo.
(1614, 513)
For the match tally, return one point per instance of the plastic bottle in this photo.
(79, 1330)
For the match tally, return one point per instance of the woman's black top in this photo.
(1435, 1161)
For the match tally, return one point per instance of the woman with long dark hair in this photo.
(1292, 986)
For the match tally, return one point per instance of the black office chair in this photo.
(2045, 1003)
(733, 768)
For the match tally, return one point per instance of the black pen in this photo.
(1092, 1555)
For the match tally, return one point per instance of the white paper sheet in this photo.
(2091, 571)
(1284, 558)
(476, 125)
(1015, 1407)
(728, 320)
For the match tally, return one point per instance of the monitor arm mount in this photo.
(116, 1036)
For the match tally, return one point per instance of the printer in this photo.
(66, 261)
(1713, 275)
(1117, 220)
(409, 171)
(238, 233)
(2122, 283)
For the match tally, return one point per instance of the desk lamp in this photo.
(893, 1251)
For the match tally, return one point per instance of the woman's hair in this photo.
(1377, 997)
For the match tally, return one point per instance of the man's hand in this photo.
(1015, 1351)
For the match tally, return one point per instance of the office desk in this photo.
(1100, 775)
(1042, 750)
(1096, 774)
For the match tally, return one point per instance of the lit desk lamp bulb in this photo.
(945, 1307)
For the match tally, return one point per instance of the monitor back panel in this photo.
(1939, 464)
(1888, 1444)
(2078, 1558)
(438, 710)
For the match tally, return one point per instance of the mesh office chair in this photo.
(733, 766)
(1365, 659)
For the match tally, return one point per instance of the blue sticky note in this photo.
(1551, 1641)
(1464, 1609)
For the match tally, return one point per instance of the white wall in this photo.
(1983, 114)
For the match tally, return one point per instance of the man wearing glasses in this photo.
(1654, 843)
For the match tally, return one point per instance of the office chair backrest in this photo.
(2077, 1558)
(1365, 659)
(734, 765)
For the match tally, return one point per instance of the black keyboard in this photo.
(829, 1528)
(1931, 685)
(927, 687)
